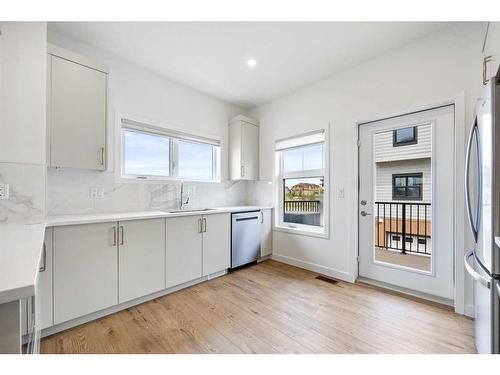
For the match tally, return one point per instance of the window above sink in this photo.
(152, 152)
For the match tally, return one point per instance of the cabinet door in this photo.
(249, 151)
(141, 254)
(85, 270)
(184, 252)
(45, 282)
(266, 243)
(216, 243)
(77, 115)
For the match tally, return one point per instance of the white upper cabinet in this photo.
(77, 106)
(141, 258)
(492, 48)
(216, 243)
(243, 149)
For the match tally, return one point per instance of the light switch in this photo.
(341, 194)
(4, 191)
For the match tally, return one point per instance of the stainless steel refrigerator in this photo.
(482, 187)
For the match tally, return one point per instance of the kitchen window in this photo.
(154, 153)
(302, 184)
(407, 186)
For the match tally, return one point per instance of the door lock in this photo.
(364, 213)
(363, 202)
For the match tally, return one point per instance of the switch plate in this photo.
(96, 192)
(4, 191)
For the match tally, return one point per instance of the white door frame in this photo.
(459, 191)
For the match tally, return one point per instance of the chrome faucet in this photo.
(183, 202)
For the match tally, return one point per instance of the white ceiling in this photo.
(211, 56)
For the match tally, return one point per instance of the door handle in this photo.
(44, 259)
(242, 171)
(474, 222)
(486, 60)
(120, 234)
(114, 236)
(472, 272)
(204, 224)
(364, 213)
(102, 155)
(200, 225)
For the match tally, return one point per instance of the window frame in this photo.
(281, 176)
(406, 186)
(413, 141)
(134, 124)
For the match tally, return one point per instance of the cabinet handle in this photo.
(486, 60)
(114, 236)
(261, 217)
(200, 226)
(102, 155)
(242, 171)
(121, 234)
(204, 224)
(44, 258)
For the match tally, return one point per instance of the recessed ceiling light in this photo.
(251, 63)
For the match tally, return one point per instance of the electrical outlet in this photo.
(96, 192)
(4, 191)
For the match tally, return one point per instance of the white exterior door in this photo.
(406, 195)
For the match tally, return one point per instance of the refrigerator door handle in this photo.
(473, 223)
(472, 272)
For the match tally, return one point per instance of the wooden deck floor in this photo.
(272, 308)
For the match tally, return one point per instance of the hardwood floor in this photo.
(272, 308)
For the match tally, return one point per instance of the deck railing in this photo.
(403, 226)
(302, 206)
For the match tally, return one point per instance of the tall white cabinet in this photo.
(76, 111)
(243, 148)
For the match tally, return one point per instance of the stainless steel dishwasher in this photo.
(245, 238)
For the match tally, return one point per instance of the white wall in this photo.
(428, 72)
(136, 91)
(22, 118)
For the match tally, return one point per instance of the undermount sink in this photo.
(193, 210)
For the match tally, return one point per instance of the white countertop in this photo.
(60, 220)
(21, 244)
(20, 251)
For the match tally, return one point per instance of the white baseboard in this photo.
(332, 272)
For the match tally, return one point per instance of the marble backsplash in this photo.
(68, 192)
(26, 192)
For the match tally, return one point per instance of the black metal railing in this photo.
(302, 206)
(403, 226)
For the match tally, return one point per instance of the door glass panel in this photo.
(403, 200)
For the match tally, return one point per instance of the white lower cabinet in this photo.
(266, 242)
(85, 270)
(45, 274)
(216, 243)
(141, 255)
(184, 249)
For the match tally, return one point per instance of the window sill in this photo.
(321, 233)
